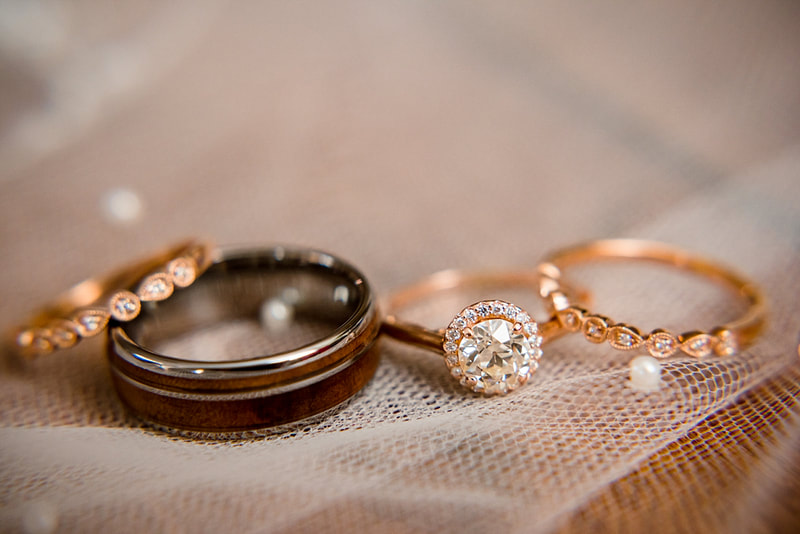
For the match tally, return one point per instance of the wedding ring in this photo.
(723, 340)
(492, 346)
(85, 309)
(265, 337)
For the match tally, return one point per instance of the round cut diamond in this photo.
(183, 271)
(496, 357)
(124, 306)
(91, 321)
(661, 344)
(531, 328)
(699, 346)
(155, 287)
(63, 334)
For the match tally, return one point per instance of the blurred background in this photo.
(354, 125)
(406, 137)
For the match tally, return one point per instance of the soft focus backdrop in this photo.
(409, 137)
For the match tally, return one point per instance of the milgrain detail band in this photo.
(85, 309)
(492, 346)
(246, 394)
(723, 340)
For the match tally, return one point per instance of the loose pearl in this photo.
(645, 373)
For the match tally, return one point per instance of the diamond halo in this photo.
(492, 347)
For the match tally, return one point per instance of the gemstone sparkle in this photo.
(496, 357)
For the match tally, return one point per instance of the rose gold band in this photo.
(86, 308)
(722, 340)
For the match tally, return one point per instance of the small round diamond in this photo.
(623, 337)
(124, 306)
(661, 344)
(91, 321)
(63, 334)
(37, 340)
(450, 347)
(452, 334)
(460, 322)
(183, 271)
(595, 329)
(155, 287)
(699, 345)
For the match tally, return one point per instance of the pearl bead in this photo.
(645, 373)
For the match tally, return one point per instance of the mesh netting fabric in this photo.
(745, 453)
(415, 452)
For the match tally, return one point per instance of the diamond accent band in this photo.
(155, 287)
(659, 343)
(724, 340)
(178, 267)
(492, 347)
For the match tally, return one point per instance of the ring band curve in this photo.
(723, 340)
(491, 346)
(85, 309)
(251, 393)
